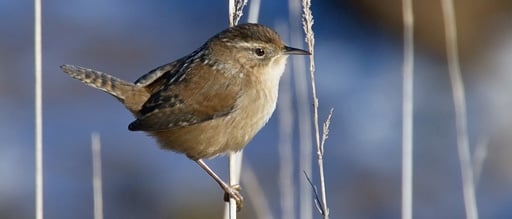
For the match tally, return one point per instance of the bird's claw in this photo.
(234, 192)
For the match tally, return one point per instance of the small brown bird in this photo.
(210, 102)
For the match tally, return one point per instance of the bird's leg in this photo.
(233, 191)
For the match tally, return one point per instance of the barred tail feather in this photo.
(110, 84)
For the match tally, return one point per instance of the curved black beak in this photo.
(294, 51)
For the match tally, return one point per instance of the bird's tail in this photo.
(132, 96)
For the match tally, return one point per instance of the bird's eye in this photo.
(259, 52)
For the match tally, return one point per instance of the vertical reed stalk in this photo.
(97, 178)
(38, 63)
(408, 110)
(307, 22)
(459, 100)
(235, 159)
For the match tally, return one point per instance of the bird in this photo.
(210, 102)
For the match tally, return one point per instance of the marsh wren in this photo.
(210, 102)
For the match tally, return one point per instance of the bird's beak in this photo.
(294, 51)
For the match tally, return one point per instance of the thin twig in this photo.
(231, 12)
(459, 100)
(97, 176)
(236, 8)
(325, 135)
(38, 108)
(408, 110)
(318, 203)
(307, 22)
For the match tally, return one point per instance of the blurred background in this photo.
(359, 69)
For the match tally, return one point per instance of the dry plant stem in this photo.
(38, 63)
(231, 15)
(325, 135)
(236, 11)
(235, 159)
(408, 110)
(468, 184)
(255, 193)
(97, 176)
(235, 173)
(298, 66)
(310, 40)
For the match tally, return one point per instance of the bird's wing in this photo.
(186, 97)
(173, 69)
(156, 73)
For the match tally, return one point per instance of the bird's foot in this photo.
(234, 192)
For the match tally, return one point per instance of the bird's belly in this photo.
(224, 134)
(214, 137)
